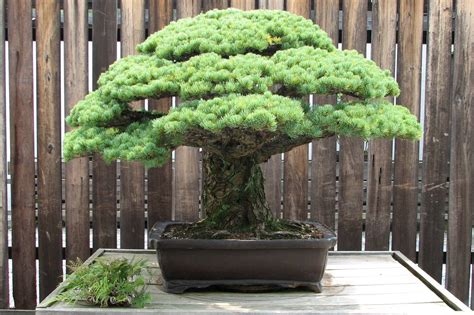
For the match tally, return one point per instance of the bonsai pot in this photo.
(269, 264)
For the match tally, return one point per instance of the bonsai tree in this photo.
(241, 78)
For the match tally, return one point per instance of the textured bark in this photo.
(233, 194)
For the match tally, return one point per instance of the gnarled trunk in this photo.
(233, 194)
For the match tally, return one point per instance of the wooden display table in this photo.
(354, 282)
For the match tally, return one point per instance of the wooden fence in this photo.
(375, 198)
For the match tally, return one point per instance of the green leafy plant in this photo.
(241, 78)
(106, 283)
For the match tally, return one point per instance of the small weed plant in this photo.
(106, 283)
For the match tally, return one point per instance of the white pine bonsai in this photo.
(242, 77)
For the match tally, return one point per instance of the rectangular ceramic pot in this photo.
(200, 263)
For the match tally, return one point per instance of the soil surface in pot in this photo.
(280, 230)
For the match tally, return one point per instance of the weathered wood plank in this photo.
(186, 9)
(461, 187)
(132, 174)
(4, 271)
(295, 170)
(436, 137)
(379, 186)
(272, 175)
(351, 153)
(160, 179)
(375, 289)
(49, 146)
(186, 194)
(272, 169)
(271, 4)
(323, 168)
(22, 153)
(243, 4)
(405, 186)
(214, 4)
(76, 170)
(104, 52)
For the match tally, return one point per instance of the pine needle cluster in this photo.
(106, 283)
(241, 78)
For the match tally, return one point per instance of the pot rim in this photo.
(328, 241)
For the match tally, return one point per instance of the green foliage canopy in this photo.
(241, 77)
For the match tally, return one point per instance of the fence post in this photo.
(379, 180)
(4, 286)
(405, 186)
(22, 152)
(351, 153)
(187, 158)
(104, 52)
(160, 179)
(323, 166)
(295, 169)
(132, 174)
(436, 137)
(49, 145)
(461, 196)
(75, 88)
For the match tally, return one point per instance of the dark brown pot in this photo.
(194, 263)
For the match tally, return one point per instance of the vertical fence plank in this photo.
(351, 154)
(379, 183)
(187, 158)
(132, 174)
(104, 44)
(243, 4)
(436, 140)
(214, 4)
(160, 179)
(186, 9)
(295, 169)
(4, 285)
(271, 4)
(22, 152)
(49, 146)
(323, 167)
(272, 168)
(76, 170)
(405, 186)
(461, 197)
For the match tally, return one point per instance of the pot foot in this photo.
(244, 286)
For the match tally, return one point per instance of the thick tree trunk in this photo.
(233, 195)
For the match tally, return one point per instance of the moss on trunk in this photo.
(233, 195)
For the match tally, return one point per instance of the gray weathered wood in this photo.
(132, 174)
(4, 278)
(386, 282)
(436, 137)
(186, 194)
(272, 169)
(160, 179)
(214, 4)
(379, 182)
(461, 188)
(22, 153)
(49, 145)
(295, 170)
(243, 4)
(271, 4)
(104, 195)
(323, 168)
(405, 185)
(352, 149)
(76, 170)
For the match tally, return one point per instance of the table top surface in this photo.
(354, 282)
